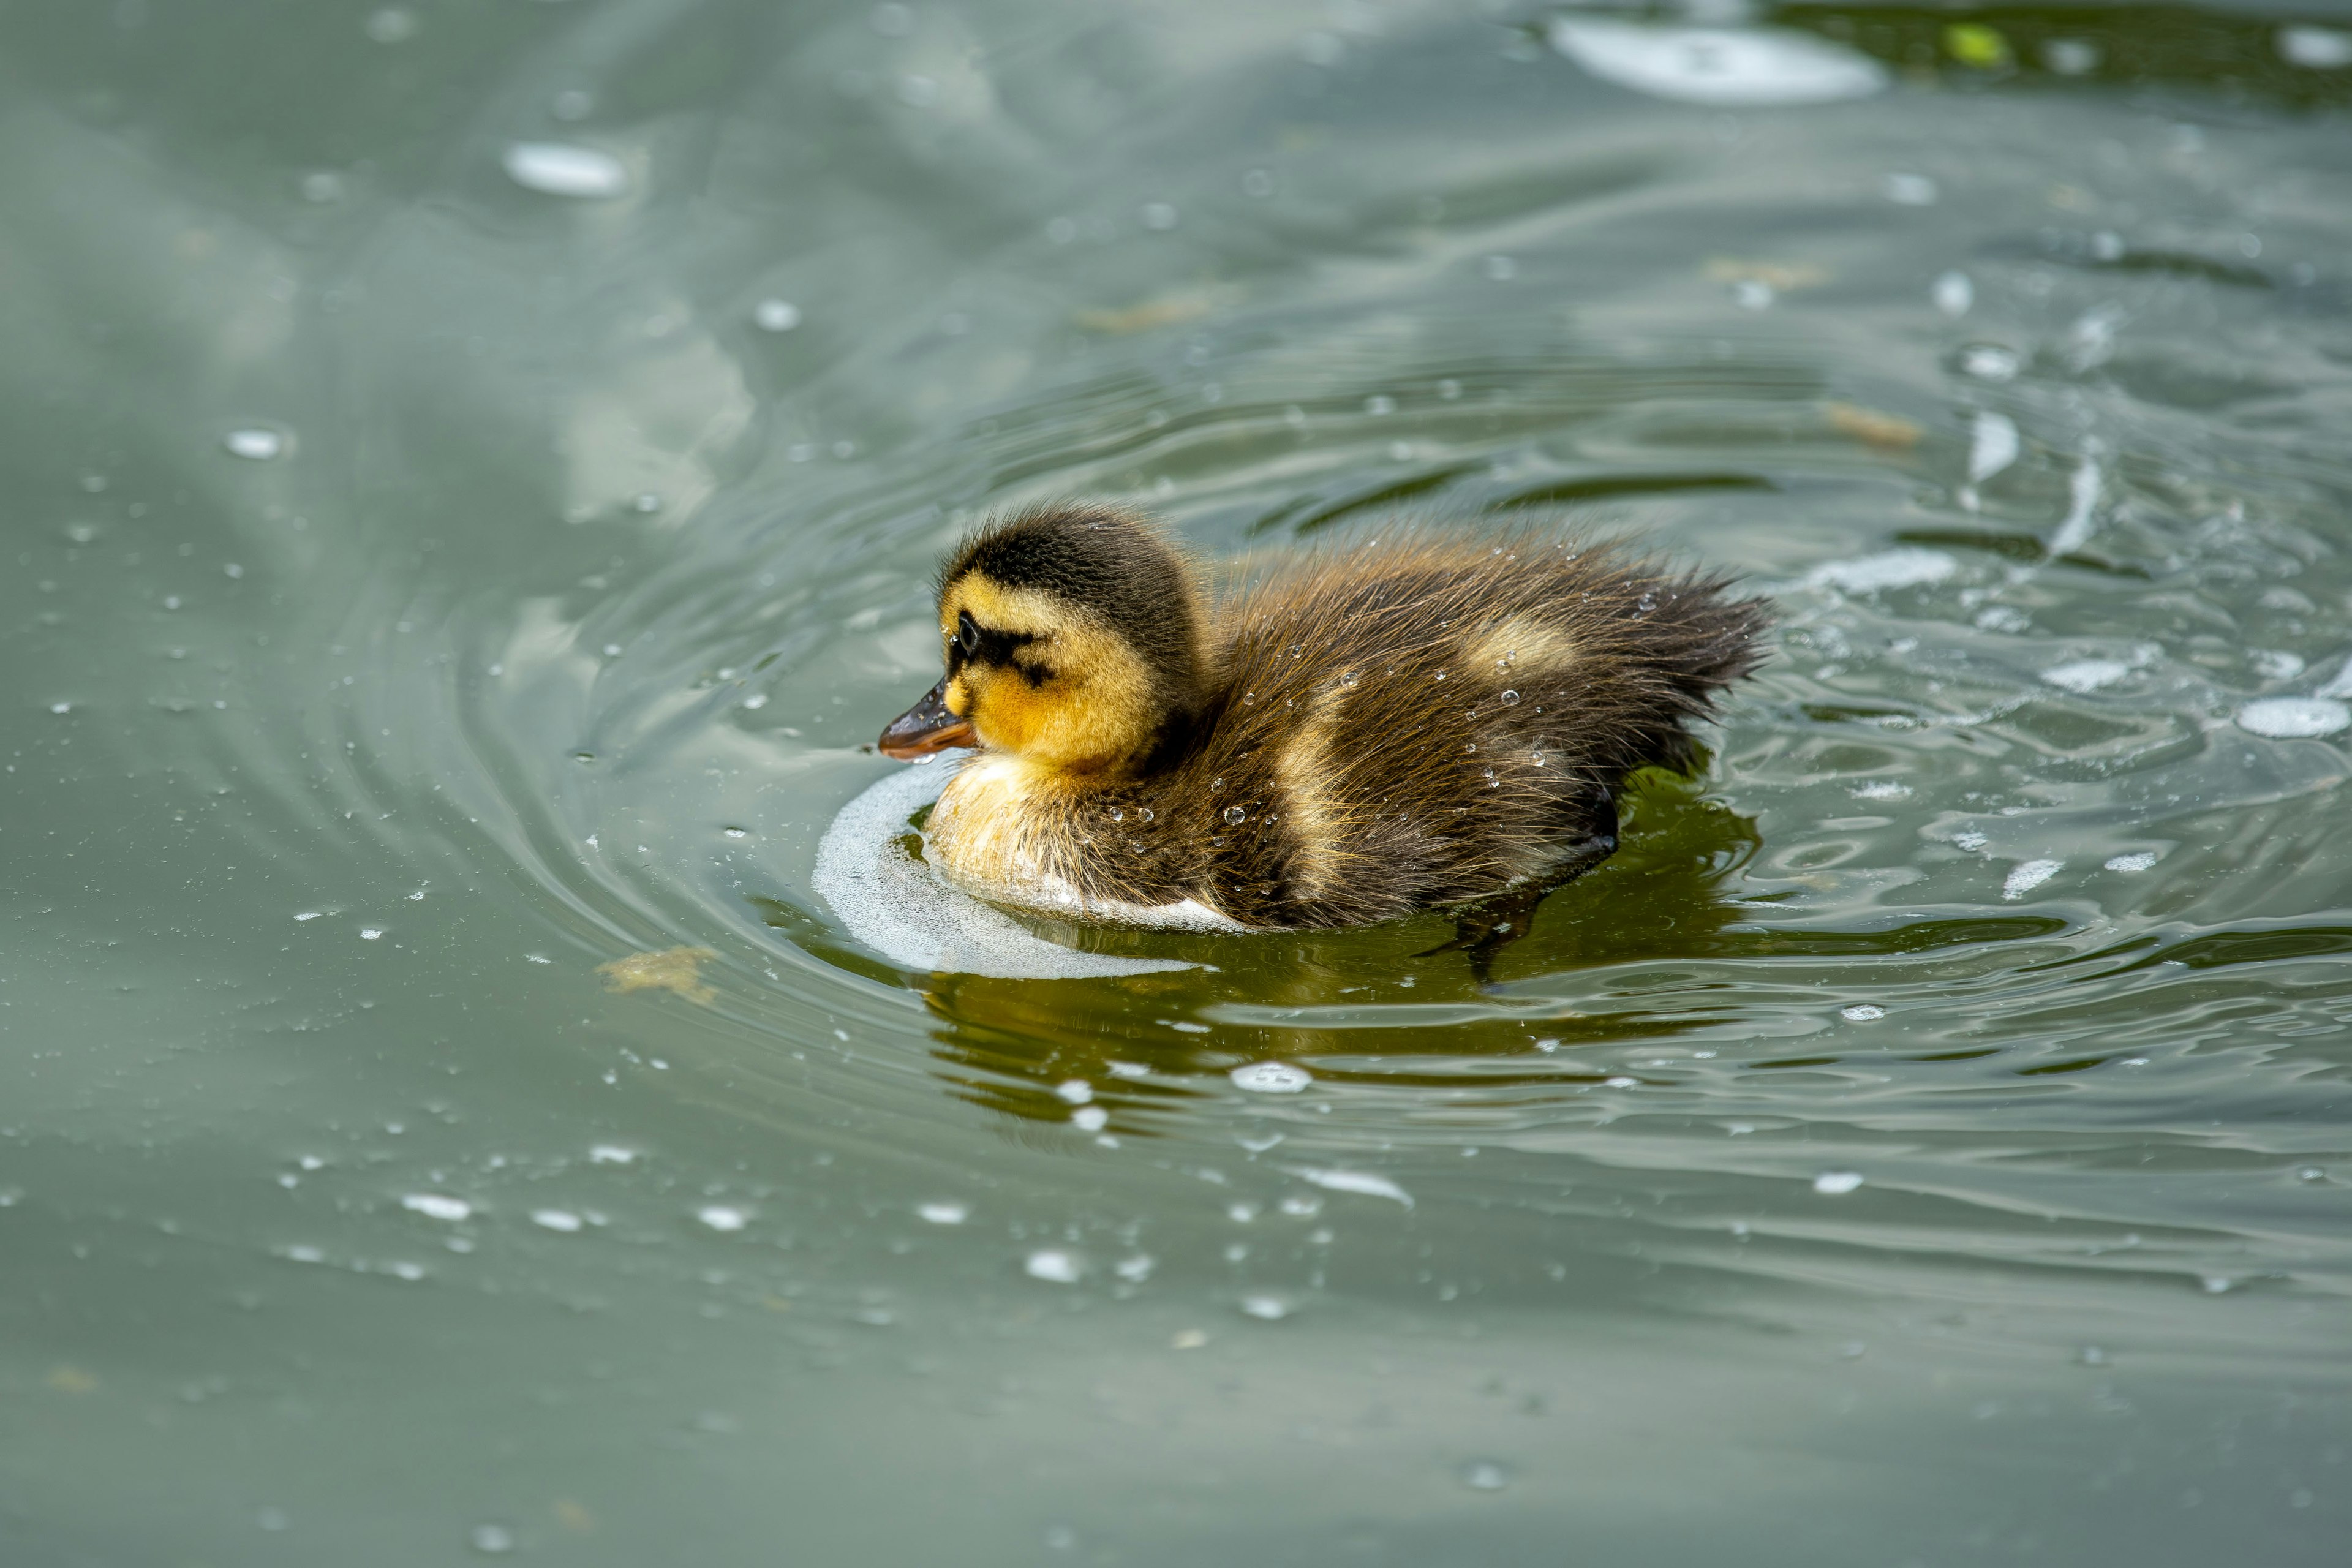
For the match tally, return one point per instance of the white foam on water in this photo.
(1862, 1013)
(2084, 676)
(2316, 49)
(1361, 1181)
(2082, 500)
(1954, 292)
(254, 444)
(2295, 718)
(943, 1213)
(563, 1220)
(2030, 875)
(1835, 1183)
(1906, 568)
(718, 1217)
(560, 168)
(1993, 445)
(1270, 1077)
(2137, 861)
(2339, 686)
(1728, 68)
(2276, 664)
(436, 1205)
(903, 909)
(1054, 1266)
(1268, 1308)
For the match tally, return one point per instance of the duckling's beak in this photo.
(925, 728)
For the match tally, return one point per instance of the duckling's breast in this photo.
(998, 828)
(1013, 832)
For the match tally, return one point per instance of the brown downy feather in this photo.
(1376, 727)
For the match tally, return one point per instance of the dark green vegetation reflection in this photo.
(473, 470)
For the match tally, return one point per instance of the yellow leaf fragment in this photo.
(1974, 43)
(1171, 309)
(71, 1380)
(678, 969)
(1887, 432)
(1781, 276)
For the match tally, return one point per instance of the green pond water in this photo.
(473, 470)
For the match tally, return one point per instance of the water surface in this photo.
(474, 475)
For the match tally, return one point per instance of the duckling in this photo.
(1418, 718)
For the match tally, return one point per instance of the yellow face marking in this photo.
(1523, 643)
(1095, 708)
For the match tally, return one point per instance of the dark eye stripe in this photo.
(975, 642)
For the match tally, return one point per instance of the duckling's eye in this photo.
(967, 632)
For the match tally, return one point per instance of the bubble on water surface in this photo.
(1862, 1013)
(2140, 860)
(1053, 1265)
(1911, 190)
(1835, 1183)
(776, 315)
(555, 1219)
(1953, 293)
(1485, 1475)
(562, 169)
(1993, 446)
(1881, 789)
(2316, 49)
(1270, 1077)
(2276, 664)
(436, 1205)
(611, 1154)
(1905, 568)
(2294, 718)
(2084, 676)
(900, 908)
(1754, 67)
(1090, 1119)
(943, 1213)
(1361, 1181)
(721, 1217)
(2030, 875)
(254, 443)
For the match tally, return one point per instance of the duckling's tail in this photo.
(1695, 637)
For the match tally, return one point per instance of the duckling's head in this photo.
(1072, 636)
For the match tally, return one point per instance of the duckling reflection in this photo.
(1114, 1055)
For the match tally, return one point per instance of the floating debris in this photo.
(560, 168)
(2030, 875)
(1270, 1077)
(1054, 1266)
(678, 969)
(2294, 718)
(1362, 1182)
(1747, 66)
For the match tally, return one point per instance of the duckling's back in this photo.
(1422, 717)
